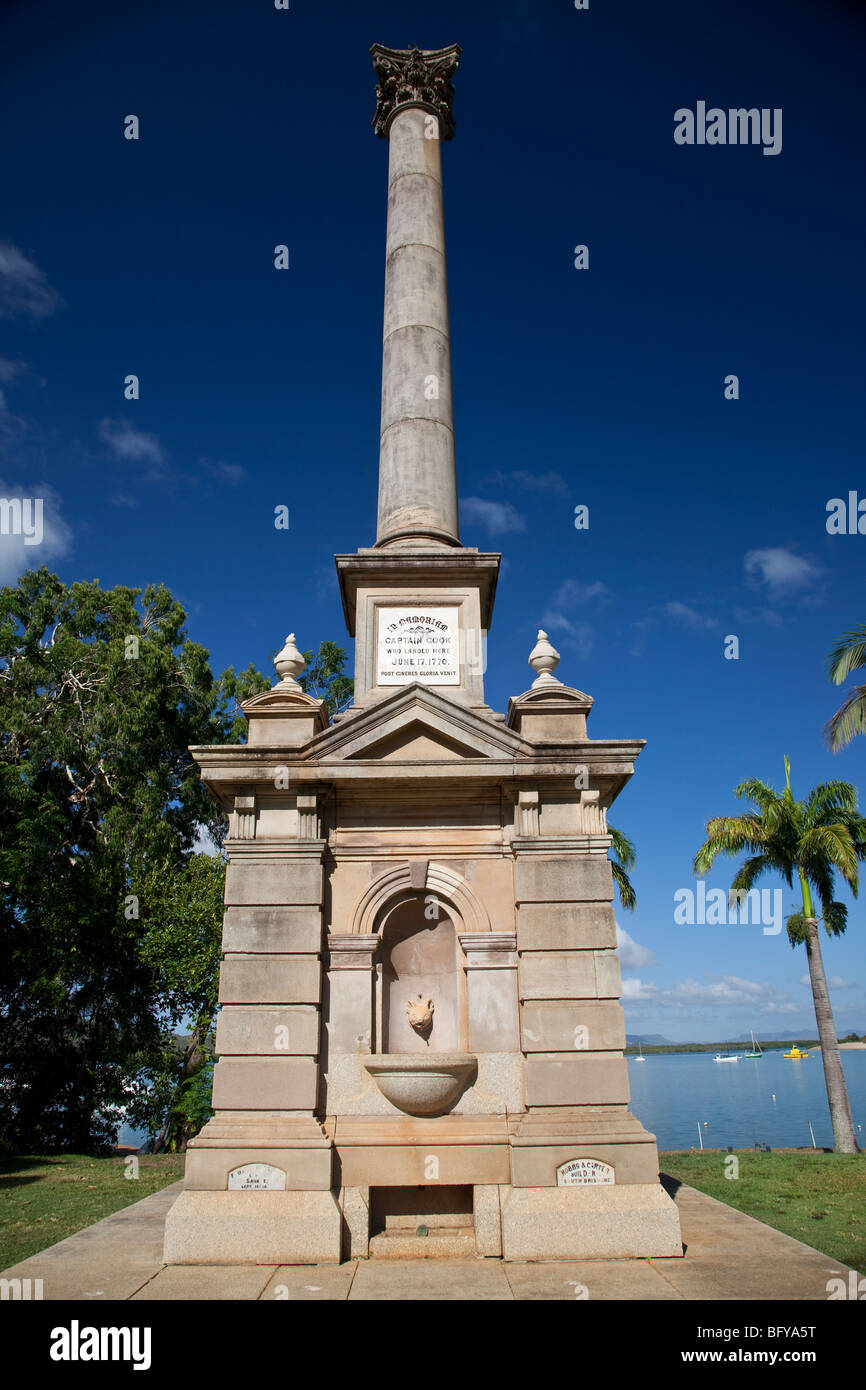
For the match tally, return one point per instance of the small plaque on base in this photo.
(257, 1177)
(583, 1172)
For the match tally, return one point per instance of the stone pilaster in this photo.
(266, 1080)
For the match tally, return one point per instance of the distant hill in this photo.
(781, 1037)
(647, 1040)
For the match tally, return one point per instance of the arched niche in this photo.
(420, 960)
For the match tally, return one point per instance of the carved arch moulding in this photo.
(399, 884)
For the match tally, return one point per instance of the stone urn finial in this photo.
(421, 1015)
(289, 663)
(544, 658)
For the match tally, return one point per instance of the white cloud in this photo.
(16, 555)
(10, 370)
(726, 991)
(781, 570)
(498, 518)
(834, 982)
(682, 613)
(128, 443)
(24, 288)
(570, 595)
(632, 956)
(231, 473)
(638, 992)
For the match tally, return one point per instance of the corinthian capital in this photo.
(414, 77)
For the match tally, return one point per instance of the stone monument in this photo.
(421, 1041)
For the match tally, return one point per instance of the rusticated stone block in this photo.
(562, 878)
(565, 926)
(411, 1165)
(608, 975)
(272, 929)
(576, 1080)
(577, 1223)
(265, 1083)
(567, 975)
(536, 1166)
(267, 880)
(253, 1228)
(259, 1031)
(583, 1025)
(307, 1168)
(270, 980)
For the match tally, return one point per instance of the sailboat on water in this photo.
(640, 1058)
(756, 1050)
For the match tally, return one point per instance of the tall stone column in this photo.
(417, 466)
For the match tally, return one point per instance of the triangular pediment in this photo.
(417, 724)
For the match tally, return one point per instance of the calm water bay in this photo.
(671, 1093)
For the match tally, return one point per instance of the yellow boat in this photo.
(796, 1053)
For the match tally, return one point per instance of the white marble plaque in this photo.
(583, 1172)
(257, 1177)
(418, 644)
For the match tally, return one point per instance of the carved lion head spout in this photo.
(420, 1015)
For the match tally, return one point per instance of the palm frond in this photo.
(848, 655)
(828, 798)
(728, 835)
(627, 895)
(848, 721)
(621, 847)
(826, 845)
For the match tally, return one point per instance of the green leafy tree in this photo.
(325, 678)
(848, 655)
(181, 912)
(811, 841)
(101, 695)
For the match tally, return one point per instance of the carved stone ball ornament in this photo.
(414, 77)
(420, 1014)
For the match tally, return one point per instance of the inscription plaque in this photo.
(583, 1172)
(257, 1177)
(418, 644)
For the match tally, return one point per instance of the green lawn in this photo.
(44, 1199)
(819, 1198)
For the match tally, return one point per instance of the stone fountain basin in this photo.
(421, 1083)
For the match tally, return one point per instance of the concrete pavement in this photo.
(728, 1256)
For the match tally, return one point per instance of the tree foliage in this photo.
(325, 678)
(101, 695)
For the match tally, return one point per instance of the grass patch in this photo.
(819, 1198)
(45, 1199)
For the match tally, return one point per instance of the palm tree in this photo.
(813, 839)
(622, 857)
(848, 655)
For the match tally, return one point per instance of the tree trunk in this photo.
(844, 1141)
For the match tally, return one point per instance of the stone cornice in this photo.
(414, 77)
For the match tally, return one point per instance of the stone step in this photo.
(443, 1243)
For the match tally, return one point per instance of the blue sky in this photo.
(601, 387)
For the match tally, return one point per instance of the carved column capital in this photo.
(414, 77)
(351, 951)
